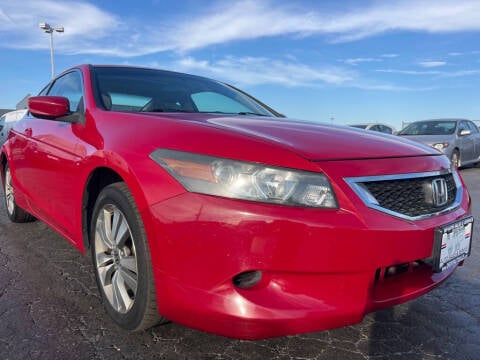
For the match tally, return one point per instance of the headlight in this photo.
(440, 146)
(249, 181)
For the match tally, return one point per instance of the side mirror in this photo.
(465, 132)
(48, 107)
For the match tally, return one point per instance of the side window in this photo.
(375, 128)
(44, 91)
(386, 129)
(69, 86)
(473, 127)
(462, 126)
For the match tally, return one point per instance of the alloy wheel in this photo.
(9, 195)
(456, 159)
(116, 262)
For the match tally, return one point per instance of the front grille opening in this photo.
(398, 269)
(410, 197)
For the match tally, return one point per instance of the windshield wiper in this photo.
(250, 113)
(208, 112)
(168, 110)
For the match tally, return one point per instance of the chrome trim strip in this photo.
(356, 184)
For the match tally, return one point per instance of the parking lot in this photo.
(50, 309)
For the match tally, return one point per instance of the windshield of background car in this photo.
(148, 90)
(446, 127)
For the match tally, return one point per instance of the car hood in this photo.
(428, 139)
(311, 140)
(317, 141)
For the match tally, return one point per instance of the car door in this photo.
(466, 142)
(476, 139)
(52, 158)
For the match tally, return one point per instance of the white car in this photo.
(7, 120)
(387, 129)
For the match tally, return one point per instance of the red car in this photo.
(201, 205)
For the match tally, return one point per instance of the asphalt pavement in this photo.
(50, 309)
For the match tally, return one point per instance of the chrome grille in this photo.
(407, 195)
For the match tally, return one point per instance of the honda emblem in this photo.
(439, 192)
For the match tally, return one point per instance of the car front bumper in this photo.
(320, 268)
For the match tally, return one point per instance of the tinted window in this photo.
(434, 127)
(44, 91)
(388, 130)
(69, 86)
(385, 129)
(463, 126)
(136, 89)
(473, 127)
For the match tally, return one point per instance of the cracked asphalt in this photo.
(50, 309)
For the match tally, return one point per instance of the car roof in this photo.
(368, 124)
(445, 119)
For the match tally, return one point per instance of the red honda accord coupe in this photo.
(201, 205)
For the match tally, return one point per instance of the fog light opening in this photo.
(247, 279)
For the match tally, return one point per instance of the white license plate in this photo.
(452, 244)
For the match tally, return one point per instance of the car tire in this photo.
(455, 159)
(121, 259)
(14, 212)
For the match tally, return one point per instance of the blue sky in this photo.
(331, 61)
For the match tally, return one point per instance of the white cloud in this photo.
(390, 56)
(431, 64)
(356, 61)
(458, 73)
(82, 21)
(248, 71)
(88, 29)
(91, 30)
(409, 72)
(254, 19)
(461, 73)
(259, 70)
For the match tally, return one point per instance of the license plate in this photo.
(452, 244)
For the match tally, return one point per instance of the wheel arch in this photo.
(456, 150)
(98, 179)
(3, 163)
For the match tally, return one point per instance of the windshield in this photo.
(148, 90)
(437, 127)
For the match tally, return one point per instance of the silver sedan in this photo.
(6, 122)
(458, 139)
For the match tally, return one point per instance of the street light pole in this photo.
(52, 60)
(49, 30)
